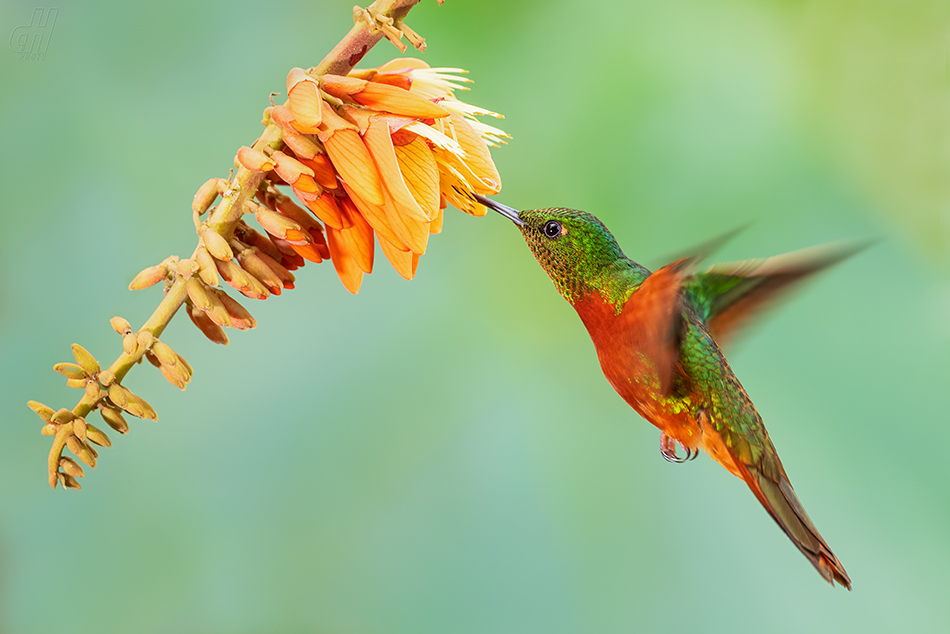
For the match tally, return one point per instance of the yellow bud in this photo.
(70, 370)
(175, 375)
(79, 428)
(62, 416)
(148, 277)
(69, 482)
(119, 395)
(78, 384)
(49, 430)
(146, 339)
(198, 293)
(206, 267)
(86, 360)
(216, 244)
(114, 419)
(187, 267)
(97, 436)
(205, 196)
(164, 353)
(185, 365)
(121, 326)
(43, 411)
(93, 391)
(130, 344)
(106, 378)
(71, 467)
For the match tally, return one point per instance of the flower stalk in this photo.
(371, 155)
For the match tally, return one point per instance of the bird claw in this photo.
(668, 450)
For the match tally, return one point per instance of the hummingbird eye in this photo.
(552, 229)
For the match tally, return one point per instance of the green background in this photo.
(443, 455)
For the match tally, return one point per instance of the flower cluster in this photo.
(374, 156)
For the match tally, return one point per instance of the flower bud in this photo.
(70, 370)
(206, 269)
(240, 317)
(148, 277)
(215, 243)
(120, 325)
(62, 416)
(69, 482)
(43, 411)
(70, 467)
(130, 344)
(96, 435)
(86, 360)
(164, 353)
(208, 328)
(114, 419)
(254, 160)
(205, 196)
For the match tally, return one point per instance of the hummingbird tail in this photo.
(779, 499)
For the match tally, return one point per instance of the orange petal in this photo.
(358, 116)
(398, 101)
(402, 63)
(323, 171)
(354, 163)
(393, 79)
(477, 156)
(308, 252)
(304, 98)
(451, 186)
(325, 208)
(375, 215)
(306, 184)
(282, 116)
(402, 261)
(436, 225)
(346, 267)
(342, 87)
(358, 240)
(412, 232)
(421, 173)
(304, 196)
(380, 146)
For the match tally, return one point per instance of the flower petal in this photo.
(402, 261)
(354, 163)
(398, 101)
(325, 208)
(402, 63)
(346, 267)
(375, 215)
(358, 240)
(323, 171)
(436, 225)
(412, 232)
(421, 173)
(304, 98)
(380, 146)
(477, 157)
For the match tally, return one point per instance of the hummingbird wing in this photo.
(729, 296)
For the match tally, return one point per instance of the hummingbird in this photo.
(658, 336)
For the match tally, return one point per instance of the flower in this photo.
(374, 156)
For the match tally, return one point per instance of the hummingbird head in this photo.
(574, 248)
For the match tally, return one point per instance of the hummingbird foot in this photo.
(668, 450)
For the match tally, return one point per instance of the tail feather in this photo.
(779, 499)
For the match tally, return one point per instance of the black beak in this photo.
(504, 210)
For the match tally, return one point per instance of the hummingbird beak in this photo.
(504, 210)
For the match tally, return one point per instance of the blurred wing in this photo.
(655, 318)
(728, 296)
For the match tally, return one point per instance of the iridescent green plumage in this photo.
(657, 338)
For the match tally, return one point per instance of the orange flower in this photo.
(375, 156)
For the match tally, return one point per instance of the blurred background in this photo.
(444, 455)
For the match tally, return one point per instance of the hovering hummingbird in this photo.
(657, 337)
